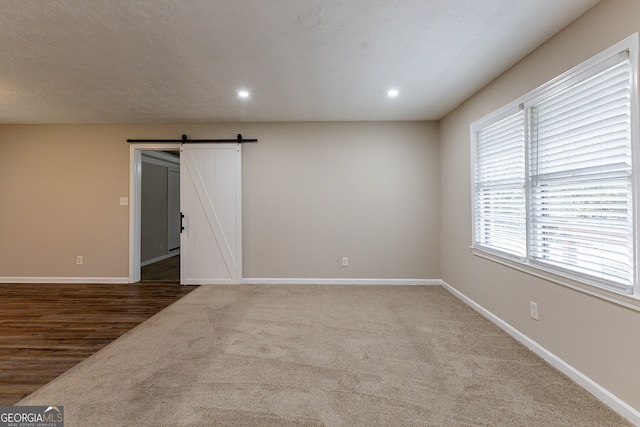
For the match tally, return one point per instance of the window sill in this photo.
(629, 301)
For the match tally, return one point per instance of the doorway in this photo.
(160, 217)
(154, 155)
(210, 216)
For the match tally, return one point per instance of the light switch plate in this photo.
(124, 201)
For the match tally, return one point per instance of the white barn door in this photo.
(211, 202)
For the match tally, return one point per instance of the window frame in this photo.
(579, 73)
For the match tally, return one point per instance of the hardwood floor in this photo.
(167, 270)
(45, 329)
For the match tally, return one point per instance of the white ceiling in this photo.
(178, 61)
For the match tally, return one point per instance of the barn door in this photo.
(211, 205)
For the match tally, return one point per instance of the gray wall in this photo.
(154, 211)
(316, 192)
(312, 193)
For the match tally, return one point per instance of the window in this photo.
(500, 186)
(554, 176)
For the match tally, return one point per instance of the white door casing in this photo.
(211, 202)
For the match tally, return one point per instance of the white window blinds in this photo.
(581, 180)
(554, 177)
(500, 187)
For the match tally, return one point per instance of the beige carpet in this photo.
(319, 355)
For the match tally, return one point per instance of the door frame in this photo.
(135, 201)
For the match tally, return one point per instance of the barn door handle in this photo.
(181, 222)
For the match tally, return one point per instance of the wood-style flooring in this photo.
(45, 329)
(167, 270)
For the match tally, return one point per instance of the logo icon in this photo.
(31, 416)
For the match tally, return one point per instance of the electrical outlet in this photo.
(534, 310)
(124, 201)
(79, 260)
(345, 261)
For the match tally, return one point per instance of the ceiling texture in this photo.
(184, 61)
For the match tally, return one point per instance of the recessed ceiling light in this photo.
(393, 92)
(243, 94)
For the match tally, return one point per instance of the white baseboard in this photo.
(581, 379)
(47, 280)
(289, 281)
(249, 281)
(160, 258)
